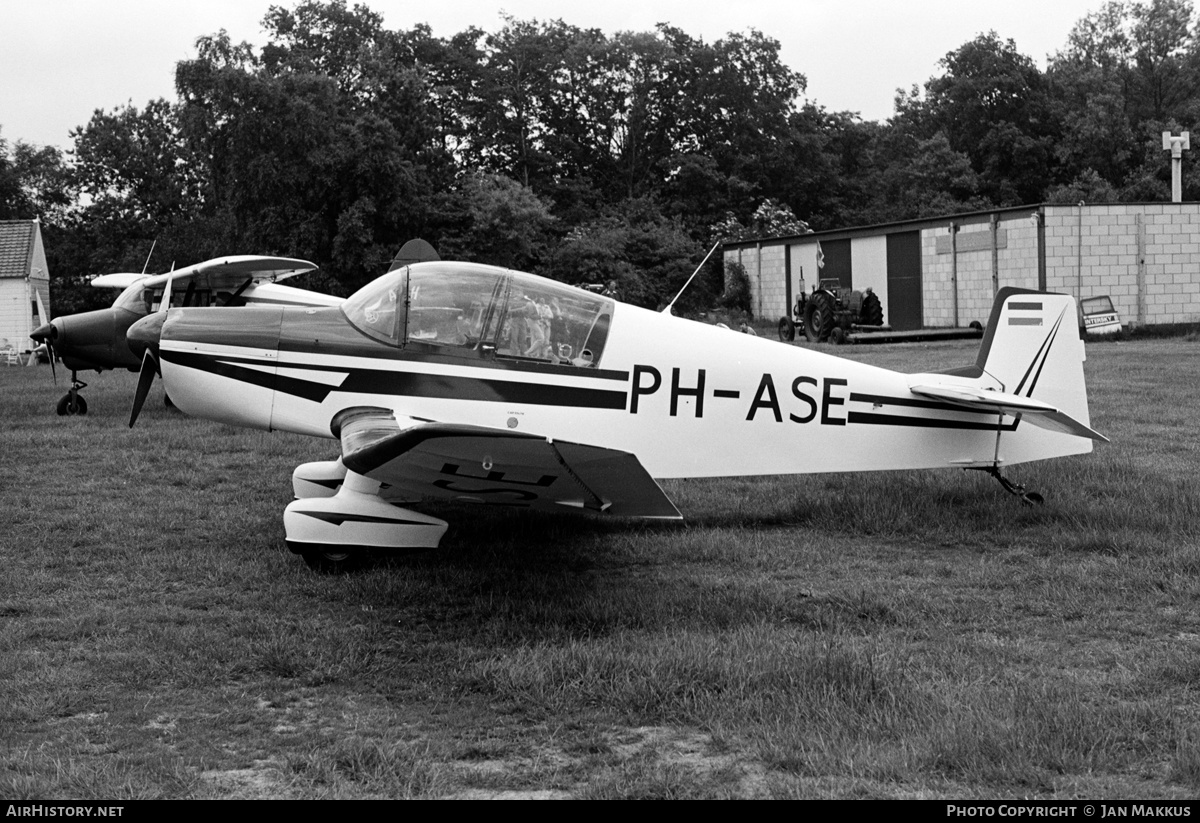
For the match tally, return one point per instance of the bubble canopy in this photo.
(472, 310)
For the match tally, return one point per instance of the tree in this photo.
(992, 105)
(33, 182)
(507, 224)
(324, 146)
(647, 253)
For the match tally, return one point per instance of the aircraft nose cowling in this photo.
(220, 363)
(146, 334)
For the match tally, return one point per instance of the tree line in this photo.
(580, 155)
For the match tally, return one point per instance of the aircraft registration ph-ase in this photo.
(467, 382)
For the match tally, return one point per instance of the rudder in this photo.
(1032, 348)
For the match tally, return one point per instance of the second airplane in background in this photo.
(96, 339)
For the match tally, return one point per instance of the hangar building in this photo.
(944, 272)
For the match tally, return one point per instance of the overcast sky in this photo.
(63, 59)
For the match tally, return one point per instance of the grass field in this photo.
(913, 635)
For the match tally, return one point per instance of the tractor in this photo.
(831, 312)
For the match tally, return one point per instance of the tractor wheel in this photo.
(818, 317)
(872, 310)
(787, 330)
(838, 336)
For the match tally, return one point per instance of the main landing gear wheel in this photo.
(331, 560)
(71, 403)
(333, 533)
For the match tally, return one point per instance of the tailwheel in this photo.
(1029, 498)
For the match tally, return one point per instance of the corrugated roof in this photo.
(16, 247)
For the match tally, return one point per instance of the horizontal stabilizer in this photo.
(1033, 411)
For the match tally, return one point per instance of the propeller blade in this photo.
(143, 339)
(44, 335)
(165, 303)
(43, 320)
(145, 379)
(43, 316)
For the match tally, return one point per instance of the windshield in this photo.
(483, 311)
(377, 309)
(131, 299)
(138, 298)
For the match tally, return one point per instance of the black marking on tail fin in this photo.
(989, 333)
(1040, 358)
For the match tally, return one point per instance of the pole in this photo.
(1176, 145)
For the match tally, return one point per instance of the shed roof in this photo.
(16, 247)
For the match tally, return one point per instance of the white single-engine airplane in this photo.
(474, 383)
(96, 339)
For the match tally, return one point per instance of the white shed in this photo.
(23, 277)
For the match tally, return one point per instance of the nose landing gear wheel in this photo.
(71, 404)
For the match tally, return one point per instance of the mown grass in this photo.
(902, 635)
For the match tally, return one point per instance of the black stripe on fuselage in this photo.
(874, 419)
(911, 402)
(401, 383)
(882, 419)
(229, 367)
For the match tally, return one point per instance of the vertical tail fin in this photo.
(1033, 349)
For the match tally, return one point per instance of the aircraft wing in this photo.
(117, 280)
(219, 274)
(1033, 411)
(479, 464)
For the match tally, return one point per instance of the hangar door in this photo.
(904, 280)
(837, 262)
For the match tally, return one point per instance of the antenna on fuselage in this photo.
(667, 310)
(146, 265)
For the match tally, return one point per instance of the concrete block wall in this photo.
(1096, 253)
(1088, 253)
(767, 269)
(1016, 262)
